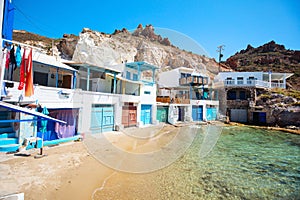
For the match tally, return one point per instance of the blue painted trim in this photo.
(9, 148)
(19, 120)
(74, 79)
(56, 78)
(88, 79)
(139, 71)
(115, 83)
(62, 140)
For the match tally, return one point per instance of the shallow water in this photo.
(246, 163)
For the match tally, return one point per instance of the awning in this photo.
(141, 65)
(93, 67)
(125, 79)
(51, 61)
(29, 112)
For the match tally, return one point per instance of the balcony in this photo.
(181, 101)
(253, 83)
(163, 99)
(194, 80)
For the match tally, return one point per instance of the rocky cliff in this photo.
(122, 46)
(270, 56)
(141, 45)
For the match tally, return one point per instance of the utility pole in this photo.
(220, 49)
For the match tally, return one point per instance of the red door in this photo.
(129, 115)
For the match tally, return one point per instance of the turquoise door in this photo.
(146, 114)
(211, 114)
(102, 118)
(197, 113)
(162, 114)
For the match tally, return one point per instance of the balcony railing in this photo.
(193, 80)
(253, 83)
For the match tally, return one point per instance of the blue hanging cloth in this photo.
(18, 56)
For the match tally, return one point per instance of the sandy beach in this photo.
(74, 171)
(69, 171)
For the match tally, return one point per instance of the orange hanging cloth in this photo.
(29, 77)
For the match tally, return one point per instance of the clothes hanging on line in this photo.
(29, 91)
(22, 72)
(18, 56)
(14, 60)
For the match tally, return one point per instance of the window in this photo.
(147, 92)
(240, 80)
(251, 80)
(231, 95)
(40, 78)
(242, 95)
(135, 77)
(229, 81)
(128, 75)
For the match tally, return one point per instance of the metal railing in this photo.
(253, 83)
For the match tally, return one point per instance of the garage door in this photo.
(197, 113)
(162, 114)
(102, 118)
(129, 115)
(211, 113)
(146, 114)
(238, 115)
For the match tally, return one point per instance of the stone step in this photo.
(6, 130)
(9, 147)
(6, 141)
(8, 135)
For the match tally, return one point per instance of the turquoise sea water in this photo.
(246, 163)
(249, 163)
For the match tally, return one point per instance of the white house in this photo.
(240, 90)
(253, 79)
(189, 95)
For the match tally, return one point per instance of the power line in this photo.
(30, 21)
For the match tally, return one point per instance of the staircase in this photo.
(8, 139)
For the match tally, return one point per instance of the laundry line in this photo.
(22, 44)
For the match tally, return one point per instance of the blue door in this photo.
(211, 114)
(102, 118)
(197, 113)
(146, 114)
(262, 117)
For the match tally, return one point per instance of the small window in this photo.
(135, 77)
(240, 80)
(231, 95)
(147, 92)
(128, 75)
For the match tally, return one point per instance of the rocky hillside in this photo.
(270, 56)
(64, 46)
(122, 46)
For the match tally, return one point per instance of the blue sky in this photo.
(209, 23)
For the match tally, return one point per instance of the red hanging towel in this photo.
(22, 72)
(7, 60)
(29, 78)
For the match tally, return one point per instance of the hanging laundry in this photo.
(29, 91)
(12, 58)
(7, 60)
(22, 72)
(12, 63)
(18, 56)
